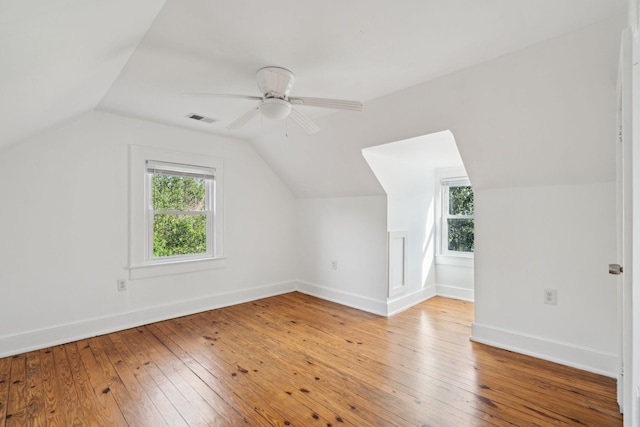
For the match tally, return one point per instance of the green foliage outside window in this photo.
(461, 233)
(461, 200)
(177, 233)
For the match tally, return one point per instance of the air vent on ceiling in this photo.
(200, 118)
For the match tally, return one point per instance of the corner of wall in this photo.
(345, 298)
(406, 301)
(455, 292)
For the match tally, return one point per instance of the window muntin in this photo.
(457, 216)
(180, 212)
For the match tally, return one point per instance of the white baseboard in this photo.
(60, 334)
(455, 292)
(345, 298)
(577, 357)
(402, 302)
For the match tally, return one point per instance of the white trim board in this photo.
(381, 308)
(345, 298)
(455, 292)
(582, 358)
(61, 334)
(403, 302)
(574, 356)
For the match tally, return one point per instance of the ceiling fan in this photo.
(275, 84)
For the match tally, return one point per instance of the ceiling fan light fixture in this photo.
(275, 109)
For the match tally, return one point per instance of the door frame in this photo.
(628, 227)
(624, 214)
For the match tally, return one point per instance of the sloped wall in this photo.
(543, 115)
(64, 240)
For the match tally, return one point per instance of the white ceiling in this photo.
(436, 150)
(59, 58)
(409, 167)
(357, 49)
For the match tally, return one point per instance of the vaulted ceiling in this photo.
(59, 58)
(65, 57)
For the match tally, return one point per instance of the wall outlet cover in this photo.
(551, 296)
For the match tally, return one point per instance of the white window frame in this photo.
(174, 169)
(446, 178)
(142, 263)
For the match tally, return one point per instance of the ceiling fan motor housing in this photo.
(275, 82)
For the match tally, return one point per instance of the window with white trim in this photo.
(180, 212)
(457, 220)
(175, 212)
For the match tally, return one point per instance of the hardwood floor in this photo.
(297, 360)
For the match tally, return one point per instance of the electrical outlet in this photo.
(334, 265)
(122, 285)
(551, 296)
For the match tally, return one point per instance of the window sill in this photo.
(455, 260)
(175, 267)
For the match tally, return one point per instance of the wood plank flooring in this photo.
(295, 360)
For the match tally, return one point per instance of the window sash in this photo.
(446, 185)
(459, 181)
(173, 169)
(208, 253)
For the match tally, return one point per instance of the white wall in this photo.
(410, 209)
(415, 214)
(542, 116)
(63, 232)
(353, 232)
(455, 278)
(558, 237)
(407, 172)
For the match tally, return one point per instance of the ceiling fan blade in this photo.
(303, 121)
(240, 121)
(224, 95)
(339, 104)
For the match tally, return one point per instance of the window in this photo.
(457, 216)
(180, 217)
(175, 212)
